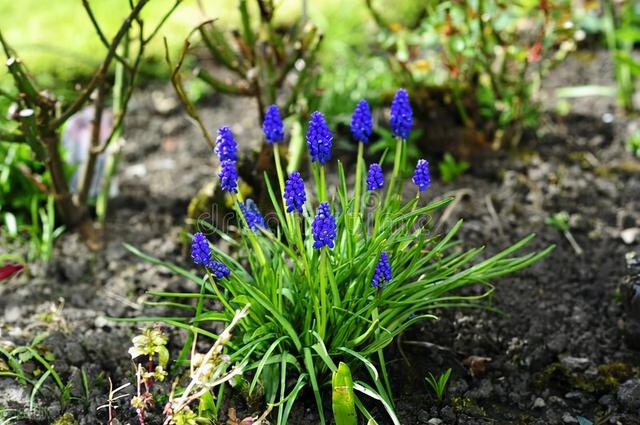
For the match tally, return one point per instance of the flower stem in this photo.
(322, 325)
(396, 168)
(358, 189)
(218, 293)
(237, 198)
(376, 219)
(276, 157)
(323, 185)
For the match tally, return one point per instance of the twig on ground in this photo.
(457, 197)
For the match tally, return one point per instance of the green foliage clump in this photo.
(451, 169)
(482, 61)
(559, 377)
(439, 384)
(338, 287)
(66, 419)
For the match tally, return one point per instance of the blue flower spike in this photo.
(421, 176)
(294, 194)
(218, 269)
(252, 215)
(401, 115)
(201, 255)
(200, 250)
(375, 177)
(362, 122)
(323, 227)
(382, 273)
(272, 126)
(319, 139)
(228, 176)
(226, 146)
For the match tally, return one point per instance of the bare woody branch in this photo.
(101, 73)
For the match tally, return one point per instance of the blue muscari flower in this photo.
(228, 176)
(201, 254)
(375, 178)
(319, 139)
(272, 126)
(294, 193)
(362, 122)
(382, 273)
(226, 146)
(218, 269)
(401, 115)
(421, 175)
(200, 250)
(323, 227)
(252, 215)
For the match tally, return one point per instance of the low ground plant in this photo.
(439, 384)
(621, 34)
(334, 275)
(481, 60)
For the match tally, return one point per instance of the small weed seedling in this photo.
(450, 168)
(14, 359)
(439, 384)
(561, 222)
(633, 143)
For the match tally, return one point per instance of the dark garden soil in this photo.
(555, 353)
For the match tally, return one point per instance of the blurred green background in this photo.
(58, 41)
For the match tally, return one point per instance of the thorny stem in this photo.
(101, 73)
(162, 21)
(101, 36)
(87, 175)
(49, 120)
(176, 81)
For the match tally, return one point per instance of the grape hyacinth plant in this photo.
(294, 193)
(382, 273)
(336, 281)
(272, 126)
(401, 121)
(401, 118)
(421, 176)
(252, 215)
(226, 145)
(375, 177)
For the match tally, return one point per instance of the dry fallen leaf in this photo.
(477, 365)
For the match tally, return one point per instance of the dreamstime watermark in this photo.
(225, 220)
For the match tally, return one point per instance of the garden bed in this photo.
(556, 348)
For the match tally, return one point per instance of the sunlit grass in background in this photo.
(56, 39)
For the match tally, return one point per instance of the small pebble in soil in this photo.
(435, 421)
(447, 414)
(569, 419)
(573, 395)
(607, 400)
(629, 394)
(575, 363)
(539, 403)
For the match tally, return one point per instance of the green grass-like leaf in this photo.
(312, 309)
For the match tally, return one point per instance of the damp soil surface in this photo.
(551, 350)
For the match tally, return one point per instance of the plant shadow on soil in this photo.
(556, 348)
